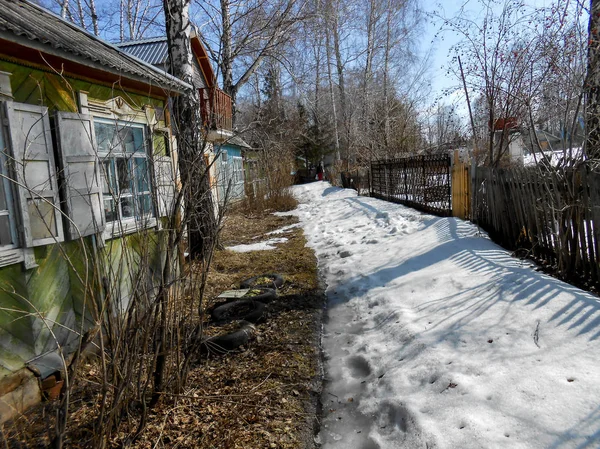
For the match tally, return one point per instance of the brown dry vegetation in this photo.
(262, 396)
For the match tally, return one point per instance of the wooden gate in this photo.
(461, 189)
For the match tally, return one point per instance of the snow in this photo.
(258, 246)
(435, 337)
(284, 229)
(555, 158)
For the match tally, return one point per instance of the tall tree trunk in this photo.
(189, 130)
(64, 9)
(333, 25)
(367, 74)
(332, 95)
(226, 60)
(81, 15)
(121, 20)
(386, 68)
(592, 84)
(94, 15)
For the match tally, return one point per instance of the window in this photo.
(8, 230)
(238, 170)
(28, 184)
(125, 171)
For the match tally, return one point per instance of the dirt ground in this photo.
(263, 395)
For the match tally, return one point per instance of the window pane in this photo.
(105, 134)
(141, 175)
(3, 204)
(109, 210)
(127, 207)
(145, 205)
(41, 219)
(5, 234)
(108, 178)
(132, 139)
(123, 175)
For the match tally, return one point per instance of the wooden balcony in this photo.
(216, 109)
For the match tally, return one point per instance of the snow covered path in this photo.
(437, 338)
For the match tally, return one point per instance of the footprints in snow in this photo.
(359, 367)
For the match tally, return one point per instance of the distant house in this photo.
(508, 139)
(230, 169)
(223, 150)
(86, 165)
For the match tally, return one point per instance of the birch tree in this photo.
(188, 126)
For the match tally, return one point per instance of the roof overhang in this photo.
(203, 60)
(21, 50)
(219, 135)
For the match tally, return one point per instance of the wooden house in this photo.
(223, 149)
(86, 169)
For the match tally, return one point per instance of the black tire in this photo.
(221, 344)
(276, 281)
(266, 295)
(252, 311)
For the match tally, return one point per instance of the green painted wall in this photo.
(34, 86)
(39, 306)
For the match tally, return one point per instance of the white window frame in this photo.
(122, 226)
(13, 253)
(238, 169)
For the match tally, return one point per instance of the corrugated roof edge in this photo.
(237, 141)
(150, 40)
(124, 54)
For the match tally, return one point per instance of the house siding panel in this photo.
(54, 290)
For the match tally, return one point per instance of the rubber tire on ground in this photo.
(220, 313)
(277, 281)
(267, 295)
(221, 344)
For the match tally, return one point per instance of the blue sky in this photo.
(441, 45)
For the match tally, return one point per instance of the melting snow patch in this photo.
(260, 246)
(284, 229)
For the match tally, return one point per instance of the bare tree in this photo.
(593, 83)
(240, 35)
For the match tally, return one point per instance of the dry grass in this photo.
(262, 396)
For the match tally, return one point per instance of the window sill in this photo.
(126, 227)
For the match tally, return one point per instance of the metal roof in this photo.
(237, 141)
(154, 51)
(23, 19)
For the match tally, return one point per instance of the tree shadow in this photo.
(330, 190)
(498, 280)
(507, 280)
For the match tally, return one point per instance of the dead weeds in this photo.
(261, 396)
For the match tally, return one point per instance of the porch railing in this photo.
(216, 109)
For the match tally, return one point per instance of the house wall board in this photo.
(41, 304)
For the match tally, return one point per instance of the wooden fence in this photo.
(422, 182)
(461, 189)
(552, 217)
